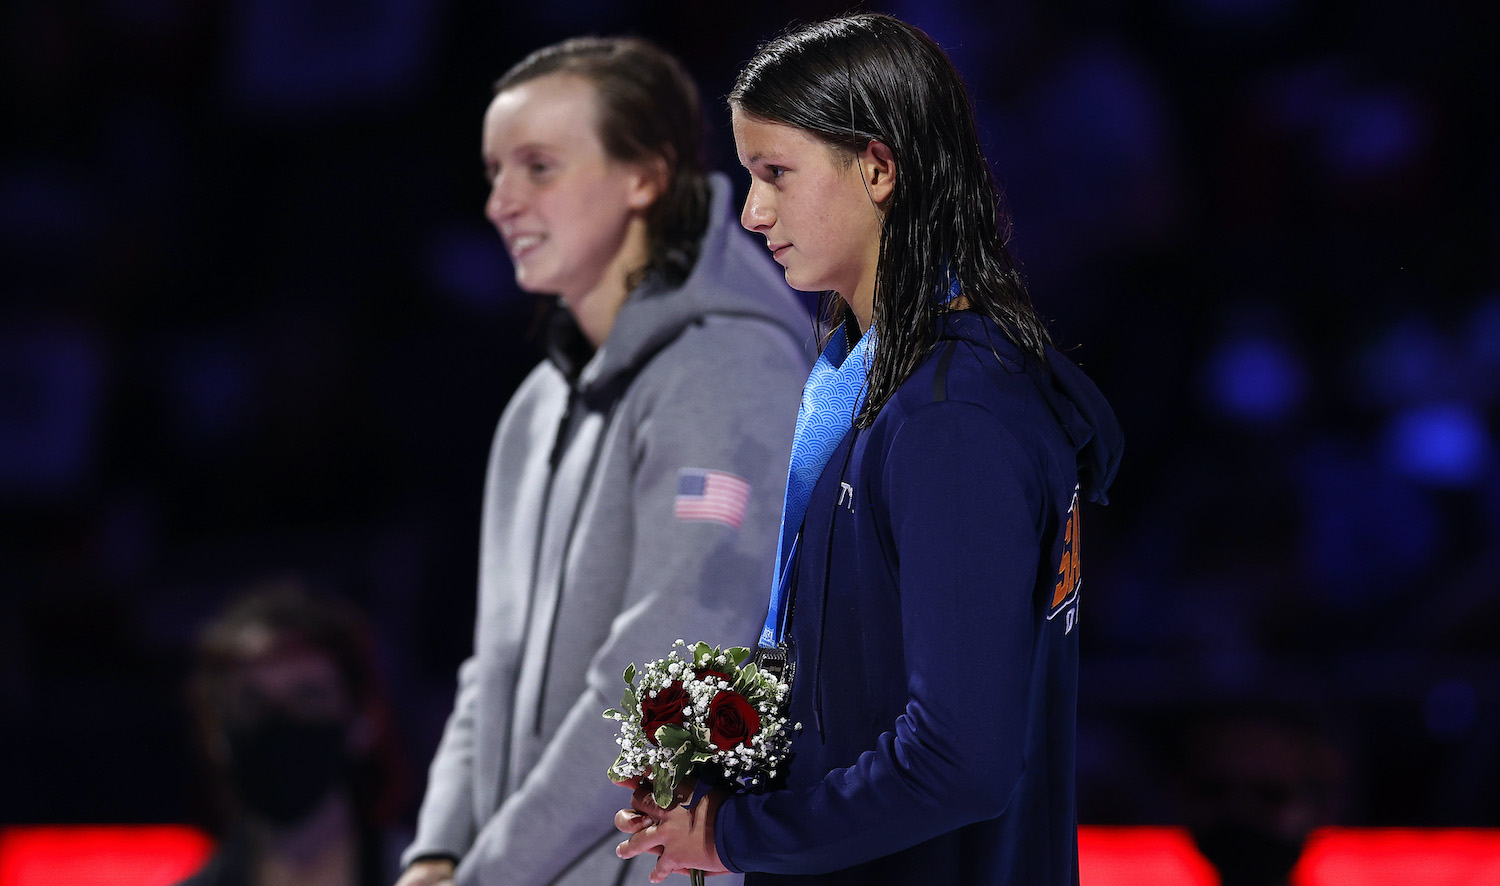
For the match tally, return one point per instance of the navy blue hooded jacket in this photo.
(934, 627)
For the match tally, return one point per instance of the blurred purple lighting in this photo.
(1441, 443)
(1256, 380)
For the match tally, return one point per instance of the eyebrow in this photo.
(530, 147)
(756, 159)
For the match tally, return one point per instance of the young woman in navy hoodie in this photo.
(927, 587)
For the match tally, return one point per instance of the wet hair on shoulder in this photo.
(872, 77)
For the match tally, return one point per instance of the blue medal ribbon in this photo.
(834, 393)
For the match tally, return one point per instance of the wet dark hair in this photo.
(648, 108)
(871, 77)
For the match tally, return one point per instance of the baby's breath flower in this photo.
(749, 762)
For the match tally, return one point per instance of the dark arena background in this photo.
(255, 327)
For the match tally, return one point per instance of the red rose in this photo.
(731, 720)
(664, 709)
(704, 673)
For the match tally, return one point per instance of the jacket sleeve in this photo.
(445, 824)
(689, 579)
(965, 504)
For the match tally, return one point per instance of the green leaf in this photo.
(630, 703)
(662, 792)
(738, 654)
(630, 675)
(612, 714)
(701, 652)
(670, 736)
(745, 679)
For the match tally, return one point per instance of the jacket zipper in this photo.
(567, 549)
(554, 458)
(823, 616)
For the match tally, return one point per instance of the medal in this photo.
(779, 660)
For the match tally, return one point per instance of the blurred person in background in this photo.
(635, 481)
(1253, 786)
(294, 726)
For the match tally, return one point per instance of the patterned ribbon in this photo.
(834, 392)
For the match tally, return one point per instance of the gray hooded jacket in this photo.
(593, 556)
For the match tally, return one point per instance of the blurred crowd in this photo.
(254, 325)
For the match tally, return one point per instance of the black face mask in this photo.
(283, 767)
(1245, 855)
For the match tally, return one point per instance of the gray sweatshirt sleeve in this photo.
(445, 824)
(726, 400)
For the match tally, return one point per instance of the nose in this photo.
(503, 201)
(757, 215)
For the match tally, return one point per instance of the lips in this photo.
(777, 249)
(521, 244)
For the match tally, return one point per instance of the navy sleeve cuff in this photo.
(719, 835)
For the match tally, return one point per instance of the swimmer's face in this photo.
(572, 217)
(819, 208)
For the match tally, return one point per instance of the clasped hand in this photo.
(682, 838)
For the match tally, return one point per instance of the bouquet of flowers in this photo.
(700, 713)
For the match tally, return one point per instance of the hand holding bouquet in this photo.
(700, 713)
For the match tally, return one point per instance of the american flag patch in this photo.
(711, 495)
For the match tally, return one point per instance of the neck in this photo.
(862, 300)
(862, 309)
(596, 310)
(862, 317)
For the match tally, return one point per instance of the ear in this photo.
(648, 183)
(878, 165)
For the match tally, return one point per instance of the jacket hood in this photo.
(732, 276)
(1085, 416)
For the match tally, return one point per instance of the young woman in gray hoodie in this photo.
(635, 482)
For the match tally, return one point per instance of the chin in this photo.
(533, 283)
(803, 284)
